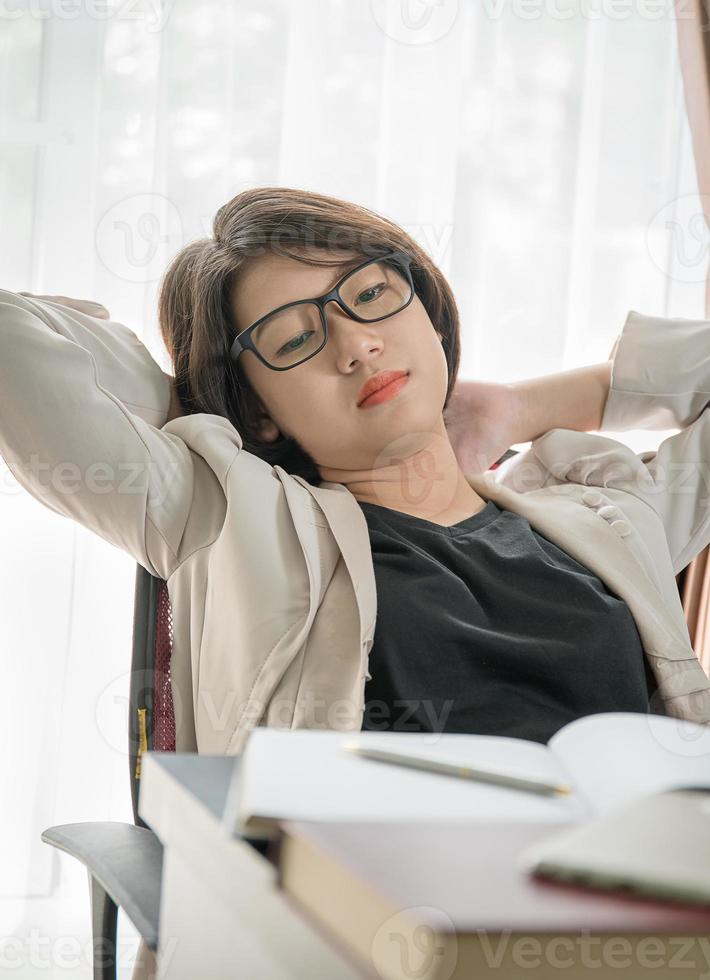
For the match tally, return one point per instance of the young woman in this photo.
(337, 552)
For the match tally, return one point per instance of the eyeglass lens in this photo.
(377, 290)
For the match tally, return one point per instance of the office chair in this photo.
(125, 861)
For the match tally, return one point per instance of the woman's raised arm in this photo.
(82, 404)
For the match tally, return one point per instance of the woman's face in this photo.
(316, 402)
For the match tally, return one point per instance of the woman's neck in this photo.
(420, 477)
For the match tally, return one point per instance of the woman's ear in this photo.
(268, 431)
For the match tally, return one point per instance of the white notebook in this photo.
(607, 759)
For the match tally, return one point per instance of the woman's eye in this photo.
(365, 292)
(287, 348)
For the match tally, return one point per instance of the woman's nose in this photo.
(350, 338)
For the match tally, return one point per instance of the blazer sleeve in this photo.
(661, 380)
(660, 376)
(81, 401)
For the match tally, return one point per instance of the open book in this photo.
(607, 758)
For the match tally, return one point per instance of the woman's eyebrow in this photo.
(343, 268)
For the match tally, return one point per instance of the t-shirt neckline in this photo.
(474, 522)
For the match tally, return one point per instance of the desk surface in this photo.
(206, 777)
(221, 903)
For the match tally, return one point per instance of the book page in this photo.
(615, 756)
(304, 774)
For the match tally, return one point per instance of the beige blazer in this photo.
(271, 580)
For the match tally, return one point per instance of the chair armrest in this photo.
(127, 861)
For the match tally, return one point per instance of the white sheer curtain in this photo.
(543, 161)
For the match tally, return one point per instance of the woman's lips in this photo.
(384, 394)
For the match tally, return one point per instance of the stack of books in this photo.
(480, 853)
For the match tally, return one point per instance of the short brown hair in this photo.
(197, 321)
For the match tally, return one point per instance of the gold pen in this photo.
(500, 777)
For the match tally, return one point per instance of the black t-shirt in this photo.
(487, 627)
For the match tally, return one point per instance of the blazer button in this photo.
(622, 528)
(592, 497)
(609, 510)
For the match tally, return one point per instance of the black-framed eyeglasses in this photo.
(295, 332)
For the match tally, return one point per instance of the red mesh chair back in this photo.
(151, 724)
(163, 712)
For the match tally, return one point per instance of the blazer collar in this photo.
(349, 528)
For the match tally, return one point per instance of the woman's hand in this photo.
(82, 305)
(482, 421)
(483, 418)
